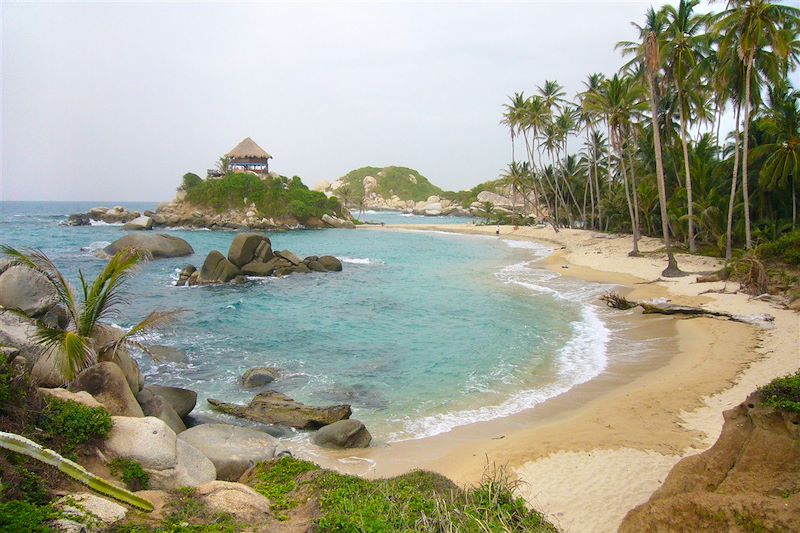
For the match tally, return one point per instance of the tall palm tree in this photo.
(78, 345)
(652, 66)
(682, 47)
(751, 28)
(512, 118)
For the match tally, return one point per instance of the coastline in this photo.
(602, 448)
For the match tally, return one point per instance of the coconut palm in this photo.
(84, 339)
(512, 118)
(754, 28)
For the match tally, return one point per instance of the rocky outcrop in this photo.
(258, 377)
(748, 481)
(139, 224)
(181, 400)
(155, 405)
(272, 407)
(336, 222)
(78, 510)
(81, 397)
(106, 382)
(232, 449)
(246, 505)
(119, 355)
(171, 462)
(27, 290)
(251, 254)
(348, 433)
(113, 215)
(154, 245)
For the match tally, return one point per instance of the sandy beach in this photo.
(588, 456)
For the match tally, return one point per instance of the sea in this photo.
(420, 333)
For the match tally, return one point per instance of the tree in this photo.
(224, 164)
(78, 345)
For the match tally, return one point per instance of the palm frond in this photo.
(104, 294)
(153, 322)
(72, 352)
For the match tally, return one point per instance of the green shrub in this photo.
(25, 517)
(32, 487)
(73, 423)
(784, 250)
(14, 389)
(190, 180)
(783, 393)
(131, 473)
(276, 482)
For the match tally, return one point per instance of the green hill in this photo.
(406, 183)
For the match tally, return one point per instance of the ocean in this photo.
(420, 332)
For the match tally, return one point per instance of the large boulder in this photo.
(217, 269)
(336, 222)
(105, 336)
(330, 263)
(106, 382)
(155, 245)
(139, 224)
(495, 199)
(46, 371)
(258, 377)
(86, 508)
(246, 505)
(289, 256)
(259, 269)
(181, 400)
(247, 247)
(154, 405)
(81, 397)
(348, 433)
(272, 407)
(19, 333)
(27, 290)
(232, 449)
(171, 462)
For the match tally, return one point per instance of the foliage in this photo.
(278, 480)
(186, 514)
(190, 179)
(25, 517)
(131, 473)
(74, 423)
(406, 183)
(272, 197)
(783, 393)
(784, 250)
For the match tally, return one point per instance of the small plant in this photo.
(74, 423)
(131, 473)
(783, 393)
(278, 480)
(24, 516)
(784, 250)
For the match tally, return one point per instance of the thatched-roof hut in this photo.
(247, 155)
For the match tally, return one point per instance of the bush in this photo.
(25, 517)
(131, 472)
(783, 393)
(190, 180)
(73, 423)
(784, 250)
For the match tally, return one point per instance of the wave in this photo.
(361, 261)
(93, 222)
(95, 246)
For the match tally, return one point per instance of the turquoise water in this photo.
(421, 332)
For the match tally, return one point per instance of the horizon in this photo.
(118, 115)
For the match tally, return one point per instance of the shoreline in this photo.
(618, 435)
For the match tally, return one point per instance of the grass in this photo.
(417, 501)
(782, 393)
(25, 517)
(131, 473)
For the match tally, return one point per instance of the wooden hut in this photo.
(247, 155)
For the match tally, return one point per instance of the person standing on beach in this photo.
(497, 231)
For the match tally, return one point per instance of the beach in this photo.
(588, 456)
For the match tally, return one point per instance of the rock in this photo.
(272, 407)
(159, 219)
(232, 449)
(258, 377)
(81, 397)
(155, 245)
(343, 434)
(331, 263)
(27, 290)
(181, 400)
(192, 281)
(171, 462)
(259, 269)
(246, 505)
(89, 508)
(336, 222)
(19, 334)
(105, 336)
(139, 224)
(184, 275)
(79, 219)
(167, 354)
(794, 305)
(496, 199)
(245, 246)
(301, 269)
(289, 256)
(316, 266)
(106, 382)
(154, 405)
(217, 269)
(739, 479)
(96, 213)
(46, 370)
(56, 317)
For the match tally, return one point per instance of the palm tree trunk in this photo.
(635, 194)
(621, 159)
(529, 150)
(746, 142)
(732, 200)
(690, 210)
(597, 192)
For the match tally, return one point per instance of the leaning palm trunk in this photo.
(748, 237)
(732, 200)
(19, 444)
(635, 195)
(692, 245)
(631, 213)
(529, 150)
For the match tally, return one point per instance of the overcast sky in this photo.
(108, 101)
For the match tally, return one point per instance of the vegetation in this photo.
(652, 161)
(74, 423)
(77, 346)
(131, 473)
(272, 197)
(418, 501)
(20, 516)
(783, 393)
(406, 183)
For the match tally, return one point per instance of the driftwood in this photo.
(613, 299)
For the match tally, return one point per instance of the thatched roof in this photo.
(248, 149)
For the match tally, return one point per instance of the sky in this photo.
(115, 102)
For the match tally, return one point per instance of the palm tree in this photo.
(79, 345)
(224, 164)
(682, 46)
(753, 28)
(515, 175)
(512, 118)
(346, 194)
(652, 66)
